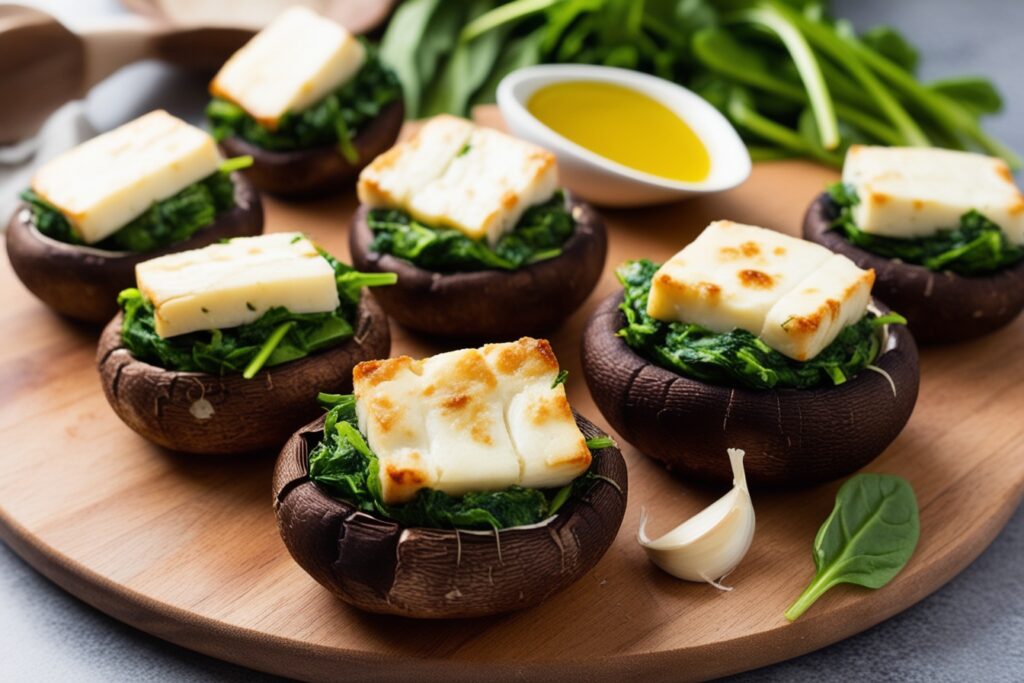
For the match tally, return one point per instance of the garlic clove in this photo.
(709, 545)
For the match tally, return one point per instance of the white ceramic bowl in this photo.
(605, 182)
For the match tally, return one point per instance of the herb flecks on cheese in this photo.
(102, 184)
(290, 65)
(457, 175)
(908, 192)
(234, 283)
(469, 420)
(795, 295)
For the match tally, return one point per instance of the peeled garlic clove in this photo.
(710, 544)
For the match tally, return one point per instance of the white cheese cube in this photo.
(234, 283)
(809, 318)
(391, 180)
(388, 404)
(485, 190)
(469, 442)
(908, 192)
(292, 64)
(469, 420)
(454, 174)
(106, 182)
(731, 276)
(550, 446)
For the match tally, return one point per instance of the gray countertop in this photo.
(971, 629)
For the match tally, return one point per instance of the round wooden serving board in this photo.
(187, 548)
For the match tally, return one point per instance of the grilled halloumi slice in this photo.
(795, 295)
(809, 317)
(731, 276)
(458, 175)
(233, 283)
(908, 192)
(106, 182)
(469, 420)
(551, 447)
(293, 63)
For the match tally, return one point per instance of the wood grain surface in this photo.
(186, 547)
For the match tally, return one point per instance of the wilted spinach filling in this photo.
(343, 465)
(539, 235)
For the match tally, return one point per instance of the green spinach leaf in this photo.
(276, 337)
(336, 119)
(539, 235)
(976, 247)
(345, 467)
(868, 538)
(738, 358)
(867, 80)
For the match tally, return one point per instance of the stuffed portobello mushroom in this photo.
(484, 243)
(155, 185)
(310, 103)
(755, 340)
(461, 485)
(944, 230)
(216, 349)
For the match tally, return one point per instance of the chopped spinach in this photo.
(976, 247)
(738, 358)
(165, 222)
(868, 538)
(539, 235)
(343, 465)
(276, 337)
(336, 119)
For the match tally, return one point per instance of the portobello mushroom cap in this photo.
(83, 282)
(320, 170)
(939, 306)
(792, 437)
(378, 565)
(195, 412)
(491, 305)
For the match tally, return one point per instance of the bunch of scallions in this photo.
(793, 79)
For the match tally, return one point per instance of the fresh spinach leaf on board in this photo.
(773, 48)
(276, 337)
(539, 235)
(976, 247)
(739, 358)
(868, 538)
(165, 222)
(336, 119)
(343, 465)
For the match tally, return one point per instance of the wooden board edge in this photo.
(277, 656)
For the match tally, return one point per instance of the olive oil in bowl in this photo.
(623, 125)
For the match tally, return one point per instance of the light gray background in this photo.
(970, 630)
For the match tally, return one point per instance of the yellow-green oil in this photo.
(623, 125)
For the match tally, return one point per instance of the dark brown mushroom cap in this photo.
(939, 306)
(792, 437)
(195, 412)
(489, 305)
(377, 565)
(318, 170)
(83, 282)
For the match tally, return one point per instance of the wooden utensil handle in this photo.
(117, 43)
